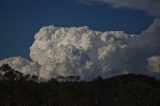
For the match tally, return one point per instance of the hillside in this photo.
(17, 89)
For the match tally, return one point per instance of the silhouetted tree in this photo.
(122, 90)
(34, 78)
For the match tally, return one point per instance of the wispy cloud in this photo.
(150, 6)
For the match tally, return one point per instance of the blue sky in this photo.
(21, 19)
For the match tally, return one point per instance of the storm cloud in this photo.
(71, 51)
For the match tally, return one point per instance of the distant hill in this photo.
(17, 89)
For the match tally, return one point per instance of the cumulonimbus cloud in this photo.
(71, 51)
(76, 50)
(86, 53)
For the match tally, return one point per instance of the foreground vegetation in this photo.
(17, 89)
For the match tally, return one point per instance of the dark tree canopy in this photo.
(17, 89)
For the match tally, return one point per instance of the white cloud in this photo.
(71, 51)
(76, 50)
(22, 65)
(150, 6)
(154, 64)
(87, 53)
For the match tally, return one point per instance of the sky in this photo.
(21, 19)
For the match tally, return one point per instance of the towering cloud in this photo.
(76, 51)
(71, 51)
(81, 51)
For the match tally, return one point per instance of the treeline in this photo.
(17, 89)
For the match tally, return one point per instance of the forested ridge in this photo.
(17, 89)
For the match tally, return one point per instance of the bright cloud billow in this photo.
(76, 51)
(22, 65)
(71, 51)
